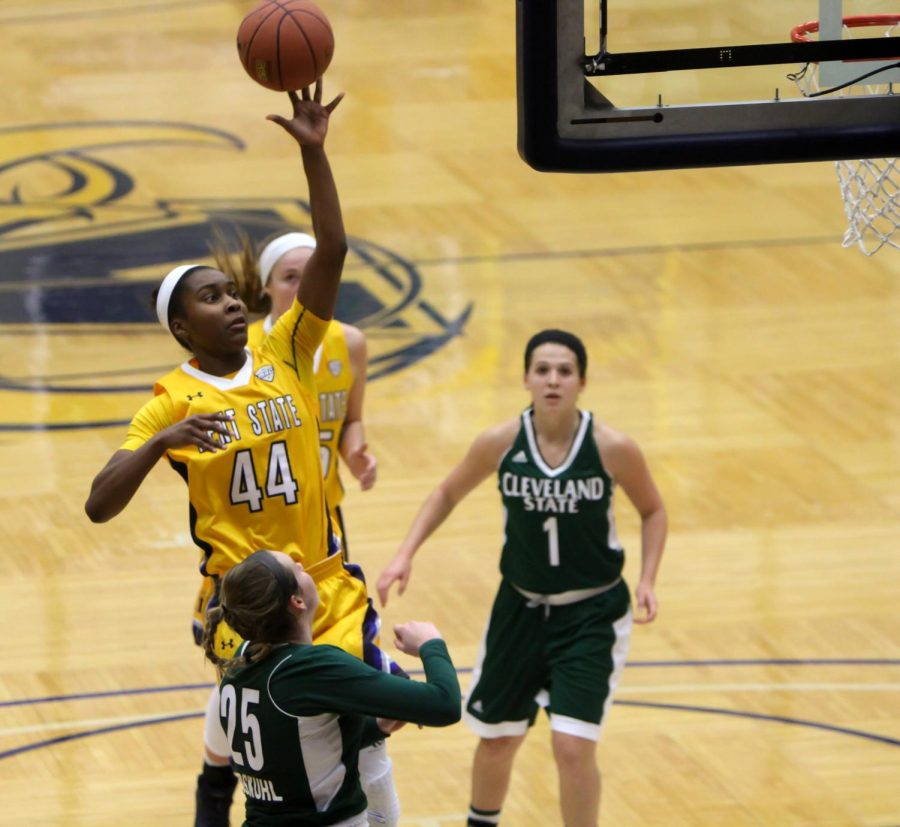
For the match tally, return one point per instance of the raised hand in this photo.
(409, 637)
(308, 125)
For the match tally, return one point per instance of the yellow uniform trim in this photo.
(263, 488)
(334, 378)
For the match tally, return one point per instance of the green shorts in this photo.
(566, 658)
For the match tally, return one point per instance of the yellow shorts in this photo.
(344, 618)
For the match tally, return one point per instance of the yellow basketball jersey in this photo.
(263, 488)
(334, 379)
(257, 332)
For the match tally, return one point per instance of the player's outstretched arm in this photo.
(479, 463)
(308, 126)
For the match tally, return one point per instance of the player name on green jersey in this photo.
(561, 496)
(259, 788)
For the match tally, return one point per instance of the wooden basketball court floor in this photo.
(755, 360)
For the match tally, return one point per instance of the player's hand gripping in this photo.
(309, 124)
(409, 637)
(200, 430)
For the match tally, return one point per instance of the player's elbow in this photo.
(654, 510)
(333, 250)
(447, 714)
(97, 510)
(454, 715)
(94, 513)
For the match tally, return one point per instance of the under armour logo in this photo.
(227, 644)
(197, 395)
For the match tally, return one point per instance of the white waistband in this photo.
(564, 598)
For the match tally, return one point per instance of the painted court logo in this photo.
(78, 246)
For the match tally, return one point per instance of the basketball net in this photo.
(870, 188)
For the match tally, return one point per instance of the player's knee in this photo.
(574, 755)
(499, 749)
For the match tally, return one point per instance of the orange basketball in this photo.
(285, 45)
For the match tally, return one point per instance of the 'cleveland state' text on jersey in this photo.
(560, 531)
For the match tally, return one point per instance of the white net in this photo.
(870, 188)
(870, 191)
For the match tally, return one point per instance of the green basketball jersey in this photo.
(297, 720)
(560, 532)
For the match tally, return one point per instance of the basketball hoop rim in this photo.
(857, 21)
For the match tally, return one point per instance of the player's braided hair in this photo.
(254, 602)
(242, 268)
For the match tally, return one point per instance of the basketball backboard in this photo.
(712, 96)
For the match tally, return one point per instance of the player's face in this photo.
(305, 584)
(284, 280)
(552, 377)
(215, 318)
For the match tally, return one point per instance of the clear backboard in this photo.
(609, 85)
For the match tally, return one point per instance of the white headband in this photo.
(169, 283)
(276, 248)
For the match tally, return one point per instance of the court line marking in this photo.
(635, 250)
(121, 723)
(187, 687)
(49, 742)
(102, 12)
(51, 726)
(111, 693)
(760, 716)
(696, 688)
(757, 716)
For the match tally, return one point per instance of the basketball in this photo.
(285, 45)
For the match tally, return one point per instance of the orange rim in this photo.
(800, 34)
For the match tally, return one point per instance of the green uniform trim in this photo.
(297, 720)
